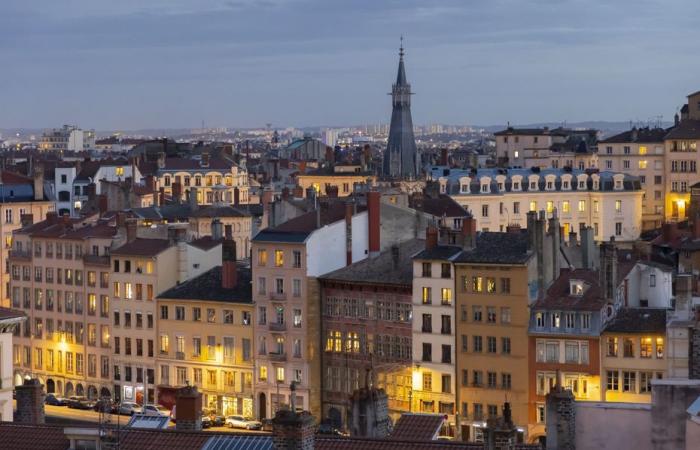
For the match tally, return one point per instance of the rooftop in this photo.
(417, 427)
(642, 135)
(687, 129)
(497, 248)
(639, 320)
(143, 247)
(382, 269)
(208, 287)
(442, 205)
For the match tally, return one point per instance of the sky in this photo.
(136, 64)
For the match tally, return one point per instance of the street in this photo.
(67, 416)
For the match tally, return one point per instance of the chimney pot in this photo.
(373, 217)
(431, 238)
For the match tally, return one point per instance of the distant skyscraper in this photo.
(400, 153)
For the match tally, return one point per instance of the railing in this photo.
(179, 355)
(277, 357)
(278, 296)
(276, 326)
(20, 254)
(96, 260)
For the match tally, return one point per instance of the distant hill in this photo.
(607, 128)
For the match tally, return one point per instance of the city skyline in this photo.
(176, 64)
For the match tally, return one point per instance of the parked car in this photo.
(80, 402)
(106, 405)
(129, 408)
(242, 422)
(155, 410)
(217, 420)
(206, 422)
(54, 400)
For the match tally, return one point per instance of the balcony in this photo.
(180, 355)
(25, 255)
(278, 296)
(95, 260)
(277, 357)
(276, 326)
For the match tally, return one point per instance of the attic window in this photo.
(516, 185)
(576, 287)
(464, 189)
(485, 188)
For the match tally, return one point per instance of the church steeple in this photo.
(400, 153)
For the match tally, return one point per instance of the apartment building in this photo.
(633, 353)
(544, 148)
(20, 197)
(609, 202)
(681, 153)
(287, 261)
(141, 269)
(640, 152)
(208, 179)
(434, 327)
(60, 278)
(366, 328)
(69, 137)
(208, 326)
(9, 321)
(324, 182)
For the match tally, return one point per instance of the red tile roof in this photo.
(33, 437)
(341, 443)
(417, 427)
(8, 177)
(143, 247)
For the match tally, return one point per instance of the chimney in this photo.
(285, 193)
(373, 218)
(349, 212)
(26, 219)
(229, 273)
(669, 230)
(236, 196)
(608, 268)
(561, 419)
(121, 219)
(188, 409)
(39, 182)
(30, 402)
(395, 254)
(311, 193)
(177, 192)
(161, 155)
(131, 226)
(292, 430)
(676, 119)
(468, 232)
(216, 229)
(298, 192)
(65, 218)
(52, 217)
(193, 199)
(531, 230)
(151, 182)
(102, 203)
(92, 193)
(555, 242)
(161, 196)
(513, 228)
(205, 159)
(587, 248)
(443, 156)
(431, 238)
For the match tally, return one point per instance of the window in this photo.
(446, 296)
(427, 352)
(645, 381)
(262, 257)
(628, 348)
(446, 354)
(211, 315)
(618, 228)
(565, 208)
(427, 297)
(179, 313)
(581, 206)
(618, 206)
(491, 379)
(228, 316)
(569, 320)
(629, 381)
(164, 343)
(645, 350)
(477, 344)
(476, 313)
(477, 284)
(539, 320)
(659, 347)
(279, 258)
(446, 270)
(491, 314)
(505, 345)
(612, 344)
(297, 258)
(555, 320)
(427, 269)
(506, 381)
(484, 210)
(613, 380)
(652, 280)
(491, 344)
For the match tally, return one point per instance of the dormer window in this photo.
(516, 185)
(501, 187)
(582, 184)
(618, 184)
(485, 188)
(550, 186)
(464, 189)
(565, 185)
(576, 287)
(533, 185)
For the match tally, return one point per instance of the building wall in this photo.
(241, 231)
(225, 380)
(602, 426)
(209, 179)
(10, 220)
(6, 379)
(513, 147)
(438, 397)
(679, 154)
(653, 366)
(648, 283)
(514, 363)
(344, 182)
(50, 345)
(599, 210)
(643, 160)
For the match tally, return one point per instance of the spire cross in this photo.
(401, 47)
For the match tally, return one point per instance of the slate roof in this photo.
(639, 320)
(205, 243)
(558, 296)
(643, 135)
(143, 247)
(207, 286)
(220, 211)
(381, 269)
(417, 427)
(185, 165)
(687, 129)
(10, 314)
(443, 252)
(497, 248)
(443, 205)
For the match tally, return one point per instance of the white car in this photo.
(155, 410)
(242, 422)
(129, 408)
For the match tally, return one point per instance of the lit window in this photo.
(581, 206)
(119, 171)
(279, 372)
(565, 206)
(262, 375)
(642, 150)
(643, 164)
(279, 258)
(618, 206)
(550, 206)
(533, 206)
(427, 296)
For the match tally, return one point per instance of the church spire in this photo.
(401, 75)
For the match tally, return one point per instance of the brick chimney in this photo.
(349, 212)
(236, 196)
(131, 227)
(38, 182)
(469, 232)
(431, 238)
(229, 274)
(608, 268)
(30, 402)
(177, 192)
(102, 203)
(52, 217)
(26, 219)
(669, 230)
(161, 196)
(292, 430)
(193, 199)
(373, 217)
(121, 219)
(561, 419)
(443, 156)
(298, 192)
(188, 409)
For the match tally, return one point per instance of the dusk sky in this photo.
(132, 64)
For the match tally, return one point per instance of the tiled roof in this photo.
(300, 227)
(417, 427)
(8, 177)
(9, 314)
(143, 247)
(220, 211)
(330, 443)
(33, 437)
(443, 205)
(639, 320)
(207, 286)
(443, 252)
(497, 248)
(175, 164)
(205, 243)
(382, 269)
